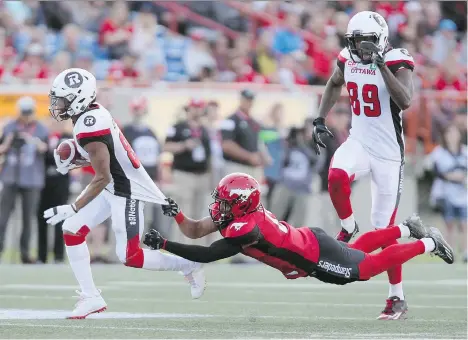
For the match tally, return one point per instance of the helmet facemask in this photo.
(60, 107)
(224, 211)
(353, 42)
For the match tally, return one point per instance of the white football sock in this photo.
(156, 260)
(429, 244)
(349, 223)
(396, 290)
(79, 259)
(404, 230)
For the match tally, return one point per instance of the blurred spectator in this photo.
(220, 50)
(189, 142)
(62, 61)
(341, 20)
(55, 192)
(287, 38)
(210, 121)
(449, 191)
(461, 122)
(272, 136)
(116, 30)
(33, 65)
(290, 197)
(444, 41)
(124, 69)
(197, 56)
(264, 60)
(147, 42)
(23, 143)
(240, 134)
(174, 48)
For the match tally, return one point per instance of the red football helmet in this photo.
(236, 195)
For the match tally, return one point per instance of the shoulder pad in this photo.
(94, 123)
(399, 57)
(344, 55)
(240, 227)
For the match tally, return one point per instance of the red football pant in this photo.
(339, 188)
(391, 256)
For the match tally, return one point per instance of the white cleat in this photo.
(197, 282)
(88, 304)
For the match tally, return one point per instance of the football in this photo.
(67, 149)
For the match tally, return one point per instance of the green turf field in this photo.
(250, 301)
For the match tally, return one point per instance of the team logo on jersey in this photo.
(73, 80)
(373, 66)
(89, 121)
(351, 63)
(237, 226)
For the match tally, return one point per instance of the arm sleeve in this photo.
(216, 251)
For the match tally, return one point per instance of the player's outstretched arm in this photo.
(190, 228)
(218, 250)
(100, 161)
(332, 92)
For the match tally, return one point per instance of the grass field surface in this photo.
(241, 301)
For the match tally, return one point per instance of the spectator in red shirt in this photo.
(125, 68)
(116, 31)
(324, 58)
(245, 73)
(33, 65)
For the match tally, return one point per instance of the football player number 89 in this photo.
(370, 97)
(130, 153)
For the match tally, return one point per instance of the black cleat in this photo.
(416, 227)
(344, 236)
(395, 309)
(442, 248)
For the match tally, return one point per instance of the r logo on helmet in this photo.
(73, 80)
(379, 20)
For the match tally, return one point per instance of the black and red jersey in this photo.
(293, 251)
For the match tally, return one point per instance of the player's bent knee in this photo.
(338, 180)
(71, 238)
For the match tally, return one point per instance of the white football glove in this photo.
(63, 166)
(58, 214)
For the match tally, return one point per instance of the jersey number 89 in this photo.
(370, 97)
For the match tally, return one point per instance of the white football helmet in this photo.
(369, 26)
(72, 92)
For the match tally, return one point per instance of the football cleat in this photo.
(197, 282)
(416, 227)
(87, 304)
(395, 309)
(442, 248)
(345, 236)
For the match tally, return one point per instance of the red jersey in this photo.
(293, 251)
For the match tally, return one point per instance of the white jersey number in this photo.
(370, 97)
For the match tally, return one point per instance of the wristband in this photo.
(179, 218)
(164, 244)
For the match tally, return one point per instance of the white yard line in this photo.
(310, 284)
(327, 334)
(229, 302)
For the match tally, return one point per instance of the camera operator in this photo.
(23, 144)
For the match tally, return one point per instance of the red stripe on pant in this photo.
(76, 239)
(135, 256)
(392, 256)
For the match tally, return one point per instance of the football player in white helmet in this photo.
(379, 80)
(119, 189)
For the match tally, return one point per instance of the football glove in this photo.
(154, 240)
(58, 214)
(319, 128)
(64, 166)
(170, 209)
(374, 49)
